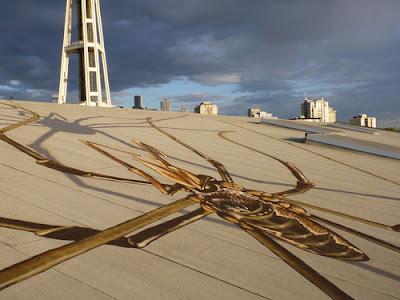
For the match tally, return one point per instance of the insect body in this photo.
(255, 210)
(284, 221)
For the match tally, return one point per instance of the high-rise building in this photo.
(165, 104)
(138, 102)
(94, 89)
(206, 108)
(363, 120)
(318, 110)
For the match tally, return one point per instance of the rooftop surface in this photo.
(210, 258)
(373, 141)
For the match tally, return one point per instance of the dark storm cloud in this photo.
(276, 51)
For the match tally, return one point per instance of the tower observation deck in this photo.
(94, 89)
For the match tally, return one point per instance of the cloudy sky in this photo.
(237, 53)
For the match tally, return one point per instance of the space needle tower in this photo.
(94, 89)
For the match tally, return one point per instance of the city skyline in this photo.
(270, 54)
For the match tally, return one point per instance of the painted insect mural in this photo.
(264, 216)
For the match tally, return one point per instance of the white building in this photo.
(206, 108)
(255, 112)
(332, 115)
(266, 115)
(363, 120)
(318, 110)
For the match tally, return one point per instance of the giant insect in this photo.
(264, 216)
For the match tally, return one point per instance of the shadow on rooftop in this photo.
(376, 270)
(57, 123)
(295, 140)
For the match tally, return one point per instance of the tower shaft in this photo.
(89, 46)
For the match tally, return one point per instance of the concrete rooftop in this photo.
(210, 258)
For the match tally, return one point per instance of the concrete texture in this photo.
(211, 258)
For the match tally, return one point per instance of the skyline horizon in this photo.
(265, 54)
(192, 109)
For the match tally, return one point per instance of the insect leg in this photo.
(300, 266)
(50, 258)
(167, 167)
(161, 187)
(149, 235)
(182, 177)
(220, 167)
(303, 184)
(34, 117)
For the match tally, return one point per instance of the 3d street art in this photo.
(264, 216)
